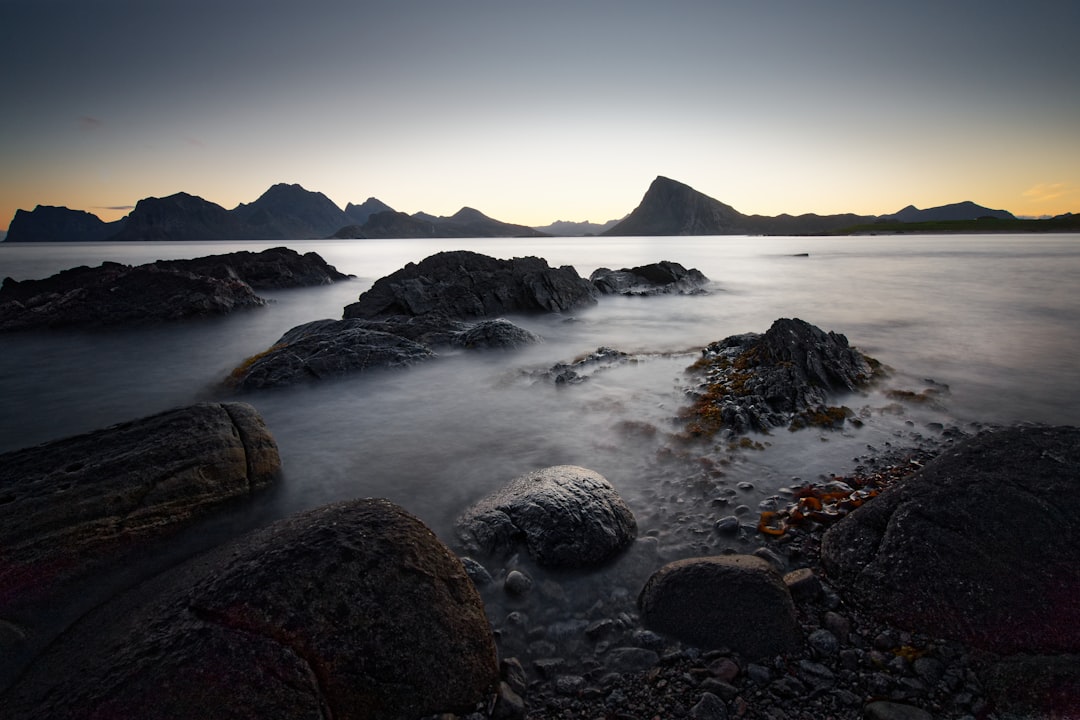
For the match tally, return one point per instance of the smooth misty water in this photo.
(997, 318)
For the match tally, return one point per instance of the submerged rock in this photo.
(785, 377)
(660, 278)
(979, 546)
(351, 611)
(73, 507)
(566, 516)
(467, 286)
(326, 349)
(737, 602)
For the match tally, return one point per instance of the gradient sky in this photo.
(537, 111)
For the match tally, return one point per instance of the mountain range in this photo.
(290, 212)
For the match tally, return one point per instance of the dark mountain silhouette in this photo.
(46, 223)
(465, 223)
(359, 214)
(567, 228)
(289, 212)
(966, 210)
(179, 217)
(673, 208)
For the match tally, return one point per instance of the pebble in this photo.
(823, 642)
(727, 525)
(709, 707)
(517, 583)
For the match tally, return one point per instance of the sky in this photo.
(533, 112)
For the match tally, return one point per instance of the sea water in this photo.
(996, 318)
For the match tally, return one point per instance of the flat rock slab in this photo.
(566, 516)
(73, 506)
(738, 602)
(354, 611)
(980, 545)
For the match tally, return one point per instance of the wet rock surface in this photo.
(661, 278)
(467, 286)
(786, 377)
(353, 610)
(978, 546)
(166, 290)
(731, 601)
(565, 516)
(73, 508)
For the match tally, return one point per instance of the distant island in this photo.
(290, 212)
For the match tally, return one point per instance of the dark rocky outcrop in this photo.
(353, 611)
(72, 507)
(979, 546)
(326, 349)
(662, 278)
(114, 294)
(59, 224)
(468, 286)
(272, 269)
(494, 334)
(737, 602)
(566, 516)
(785, 377)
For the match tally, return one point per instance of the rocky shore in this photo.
(937, 580)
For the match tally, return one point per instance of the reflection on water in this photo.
(992, 317)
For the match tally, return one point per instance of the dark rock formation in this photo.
(72, 507)
(59, 224)
(271, 269)
(737, 602)
(289, 212)
(353, 611)
(979, 546)
(786, 376)
(660, 278)
(494, 334)
(113, 294)
(326, 349)
(467, 286)
(565, 515)
(603, 358)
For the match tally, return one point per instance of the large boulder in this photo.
(466, 286)
(113, 294)
(661, 278)
(738, 602)
(980, 545)
(787, 376)
(354, 611)
(566, 516)
(326, 349)
(71, 508)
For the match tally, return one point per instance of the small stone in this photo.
(600, 628)
(837, 624)
(816, 675)
(508, 704)
(631, 659)
(723, 690)
(569, 684)
(709, 707)
(824, 643)
(803, 584)
(727, 525)
(476, 572)
(724, 669)
(929, 669)
(549, 667)
(758, 673)
(883, 710)
(513, 674)
(517, 583)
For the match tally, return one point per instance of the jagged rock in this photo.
(582, 369)
(272, 269)
(660, 278)
(72, 507)
(980, 545)
(737, 602)
(786, 376)
(467, 286)
(325, 349)
(566, 516)
(354, 611)
(113, 294)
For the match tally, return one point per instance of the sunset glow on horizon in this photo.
(537, 113)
